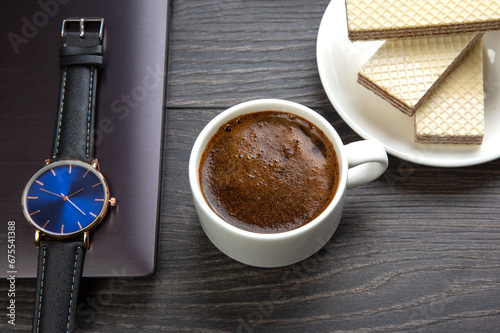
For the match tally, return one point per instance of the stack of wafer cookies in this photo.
(430, 65)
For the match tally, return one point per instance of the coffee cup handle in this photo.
(367, 160)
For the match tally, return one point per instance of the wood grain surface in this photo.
(417, 250)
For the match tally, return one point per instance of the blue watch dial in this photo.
(66, 197)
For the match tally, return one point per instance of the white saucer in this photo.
(339, 61)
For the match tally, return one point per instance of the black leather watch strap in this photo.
(81, 56)
(60, 265)
(60, 262)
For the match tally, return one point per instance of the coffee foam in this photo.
(269, 172)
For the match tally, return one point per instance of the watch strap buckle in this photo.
(82, 21)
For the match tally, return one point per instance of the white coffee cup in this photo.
(359, 163)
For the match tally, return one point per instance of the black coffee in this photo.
(269, 172)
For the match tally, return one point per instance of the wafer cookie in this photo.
(386, 19)
(454, 114)
(406, 71)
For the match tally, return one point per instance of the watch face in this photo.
(65, 198)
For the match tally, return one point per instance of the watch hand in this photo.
(61, 196)
(69, 196)
(71, 202)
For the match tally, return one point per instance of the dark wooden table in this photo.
(417, 250)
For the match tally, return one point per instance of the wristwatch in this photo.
(68, 197)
